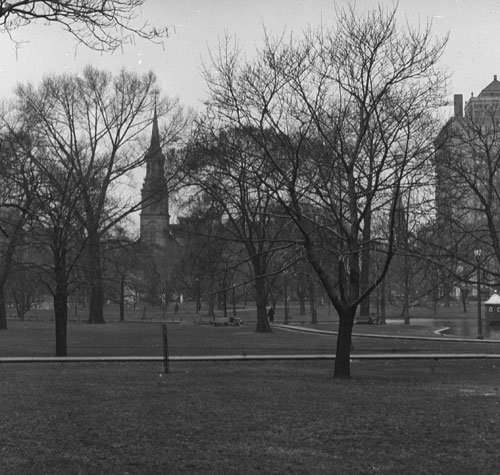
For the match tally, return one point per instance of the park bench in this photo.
(226, 321)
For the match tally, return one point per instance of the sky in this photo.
(472, 56)
(196, 26)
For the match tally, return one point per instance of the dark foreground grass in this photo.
(290, 417)
(249, 418)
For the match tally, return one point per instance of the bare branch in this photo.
(102, 25)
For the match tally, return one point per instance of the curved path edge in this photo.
(393, 337)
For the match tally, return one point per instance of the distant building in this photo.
(158, 246)
(154, 216)
(466, 161)
(485, 106)
(467, 142)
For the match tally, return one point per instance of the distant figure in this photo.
(270, 315)
(176, 307)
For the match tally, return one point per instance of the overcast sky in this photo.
(473, 54)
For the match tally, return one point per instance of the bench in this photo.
(226, 321)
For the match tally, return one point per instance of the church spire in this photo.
(155, 134)
(154, 193)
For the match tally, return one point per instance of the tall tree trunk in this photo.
(302, 302)
(6, 265)
(211, 297)
(463, 294)
(343, 353)
(312, 303)
(406, 289)
(122, 298)
(61, 317)
(96, 303)
(262, 321)
(364, 307)
(61, 302)
(3, 309)
(435, 295)
(382, 301)
(285, 298)
(198, 295)
(301, 294)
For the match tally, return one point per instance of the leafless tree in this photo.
(203, 251)
(122, 259)
(17, 185)
(226, 168)
(351, 107)
(56, 235)
(95, 126)
(98, 24)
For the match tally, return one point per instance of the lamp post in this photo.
(234, 300)
(477, 254)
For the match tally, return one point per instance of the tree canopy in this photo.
(351, 108)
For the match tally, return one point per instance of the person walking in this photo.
(270, 315)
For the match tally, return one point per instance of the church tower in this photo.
(154, 217)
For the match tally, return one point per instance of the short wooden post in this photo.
(165, 347)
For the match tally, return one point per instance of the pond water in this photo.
(460, 327)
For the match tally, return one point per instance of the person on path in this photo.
(270, 315)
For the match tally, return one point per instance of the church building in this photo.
(154, 217)
(159, 248)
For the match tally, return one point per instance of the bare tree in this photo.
(56, 234)
(17, 186)
(94, 126)
(226, 167)
(98, 24)
(351, 108)
(24, 285)
(203, 250)
(121, 256)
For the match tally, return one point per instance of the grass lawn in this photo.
(244, 418)
(289, 417)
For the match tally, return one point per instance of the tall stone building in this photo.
(485, 106)
(467, 161)
(466, 147)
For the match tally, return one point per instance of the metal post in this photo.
(287, 314)
(198, 296)
(479, 322)
(477, 253)
(165, 347)
(234, 301)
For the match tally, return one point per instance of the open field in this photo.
(288, 417)
(36, 338)
(249, 418)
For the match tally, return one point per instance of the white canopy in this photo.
(494, 299)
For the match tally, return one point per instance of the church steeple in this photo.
(155, 134)
(155, 160)
(154, 193)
